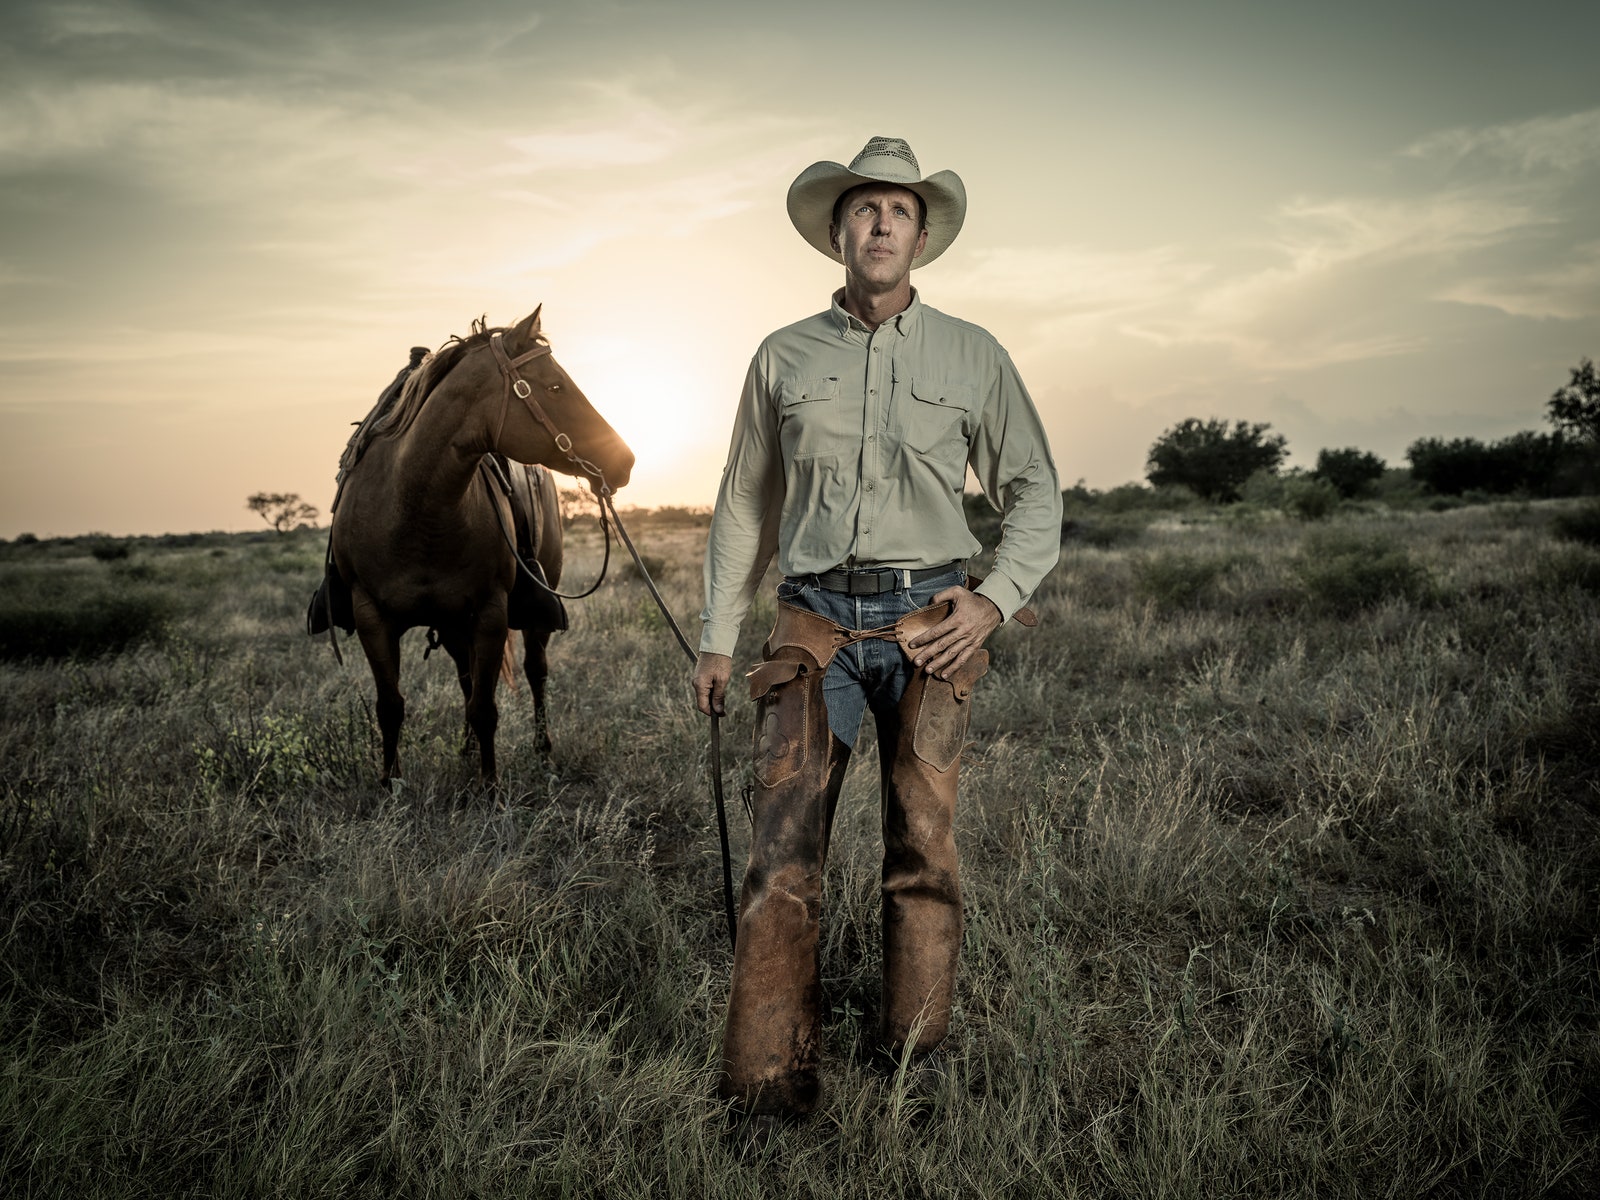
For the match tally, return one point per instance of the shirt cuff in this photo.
(1002, 593)
(718, 638)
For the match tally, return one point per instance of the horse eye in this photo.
(554, 387)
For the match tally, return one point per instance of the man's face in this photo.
(879, 234)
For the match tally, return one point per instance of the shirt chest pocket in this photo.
(932, 415)
(810, 422)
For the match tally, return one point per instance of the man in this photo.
(849, 454)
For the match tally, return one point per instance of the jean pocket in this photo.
(792, 589)
(920, 595)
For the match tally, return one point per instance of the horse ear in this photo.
(527, 328)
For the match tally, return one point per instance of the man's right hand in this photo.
(710, 682)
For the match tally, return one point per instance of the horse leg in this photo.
(382, 647)
(536, 666)
(460, 651)
(483, 715)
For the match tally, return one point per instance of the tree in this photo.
(576, 503)
(1212, 460)
(283, 510)
(1575, 408)
(1538, 463)
(1349, 470)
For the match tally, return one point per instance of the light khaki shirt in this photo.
(851, 447)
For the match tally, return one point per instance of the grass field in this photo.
(1281, 848)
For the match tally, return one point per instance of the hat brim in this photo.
(816, 189)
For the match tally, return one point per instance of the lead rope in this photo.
(609, 510)
(716, 721)
(516, 385)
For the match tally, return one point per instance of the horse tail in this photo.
(508, 661)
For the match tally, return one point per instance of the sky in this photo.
(222, 225)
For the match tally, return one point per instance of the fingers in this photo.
(945, 647)
(710, 683)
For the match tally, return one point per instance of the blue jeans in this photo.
(874, 673)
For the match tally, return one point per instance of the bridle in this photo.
(517, 386)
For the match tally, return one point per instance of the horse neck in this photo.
(438, 457)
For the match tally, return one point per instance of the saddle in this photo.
(533, 603)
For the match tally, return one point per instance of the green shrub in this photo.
(1349, 471)
(1580, 525)
(1177, 580)
(1104, 533)
(84, 625)
(1569, 567)
(1346, 573)
(1310, 499)
(109, 551)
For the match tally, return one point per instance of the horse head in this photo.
(546, 418)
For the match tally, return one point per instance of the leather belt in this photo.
(876, 580)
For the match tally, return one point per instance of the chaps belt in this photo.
(876, 580)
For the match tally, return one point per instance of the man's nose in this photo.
(880, 222)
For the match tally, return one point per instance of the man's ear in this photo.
(833, 238)
(922, 242)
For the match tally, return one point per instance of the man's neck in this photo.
(872, 309)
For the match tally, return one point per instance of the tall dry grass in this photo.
(1281, 878)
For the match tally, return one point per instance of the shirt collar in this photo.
(903, 321)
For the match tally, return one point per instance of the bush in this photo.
(1542, 464)
(1310, 499)
(1569, 567)
(1211, 459)
(1349, 471)
(109, 551)
(1177, 580)
(1103, 533)
(1346, 573)
(85, 626)
(1580, 525)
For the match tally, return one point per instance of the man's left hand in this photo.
(951, 642)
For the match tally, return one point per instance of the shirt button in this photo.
(871, 485)
(870, 392)
(875, 349)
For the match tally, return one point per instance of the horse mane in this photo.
(398, 407)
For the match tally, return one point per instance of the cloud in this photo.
(645, 137)
(1077, 280)
(1567, 144)
(1568, 291)
(1345, 278)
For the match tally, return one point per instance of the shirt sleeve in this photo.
(744, 523)
(1010, 457)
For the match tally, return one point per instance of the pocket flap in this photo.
(803, 391)
(942, 393)
(974, 669)
(770, 674)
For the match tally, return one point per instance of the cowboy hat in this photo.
(882, 160)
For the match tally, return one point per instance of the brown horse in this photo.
(420, 529)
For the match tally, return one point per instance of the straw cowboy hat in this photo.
(882, 160)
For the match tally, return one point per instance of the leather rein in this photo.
(517, 386)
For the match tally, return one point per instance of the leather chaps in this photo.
(770, 1044)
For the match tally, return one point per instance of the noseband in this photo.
(516, 384)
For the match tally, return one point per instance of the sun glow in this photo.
(646, 389)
